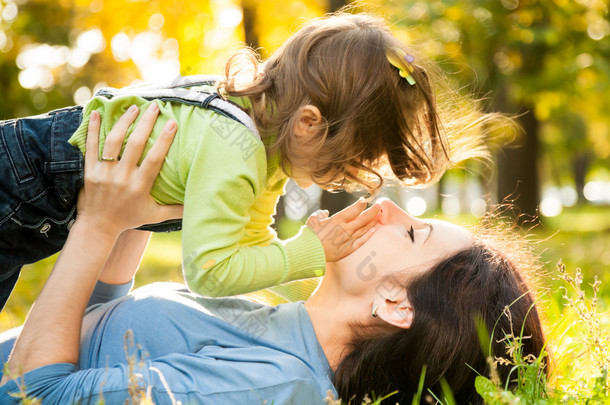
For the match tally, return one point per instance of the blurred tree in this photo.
(20, 27)
(536, 58)
(86, 44)
(249, 9)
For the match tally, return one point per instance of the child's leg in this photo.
(40, 175)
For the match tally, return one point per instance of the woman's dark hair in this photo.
(475, 285)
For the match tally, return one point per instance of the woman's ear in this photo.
(397, 312)
(310, 116)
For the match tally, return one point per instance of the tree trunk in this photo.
(335, 202)
(334, 5)
(249, 13)
(580, 166)
(517, 169)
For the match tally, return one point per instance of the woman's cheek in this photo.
(368, 267)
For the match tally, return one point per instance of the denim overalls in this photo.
(41, 174)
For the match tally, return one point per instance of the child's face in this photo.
(302, 177)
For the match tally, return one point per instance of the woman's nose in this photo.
(389, 212)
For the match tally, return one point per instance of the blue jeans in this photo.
(40, 176)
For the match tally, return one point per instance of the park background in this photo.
(546, 62)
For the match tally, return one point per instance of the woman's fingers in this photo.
(91, 145)
(117, 196)
(139, 137)
(114, 139)
(155, 157)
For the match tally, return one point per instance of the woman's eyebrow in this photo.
(429, 233)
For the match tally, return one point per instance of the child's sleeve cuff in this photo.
(304, 255)
(104, 292)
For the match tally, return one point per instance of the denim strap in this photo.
(179, 91)
(178, 82)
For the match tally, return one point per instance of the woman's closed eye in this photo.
(411, 233)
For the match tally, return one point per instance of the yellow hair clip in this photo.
(402, 61)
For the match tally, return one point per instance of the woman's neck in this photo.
(331, 314)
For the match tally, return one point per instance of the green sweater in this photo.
(219, 170)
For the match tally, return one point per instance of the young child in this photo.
(342, 103)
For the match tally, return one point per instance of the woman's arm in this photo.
(116, 196)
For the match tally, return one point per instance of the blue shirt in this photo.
(208, 350)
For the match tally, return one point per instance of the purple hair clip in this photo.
(402, 63)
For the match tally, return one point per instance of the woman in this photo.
(407, 298)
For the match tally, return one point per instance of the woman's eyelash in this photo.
(411, 233)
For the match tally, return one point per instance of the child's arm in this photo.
(228, 246)
(125, 258)
(117, 274)
(222, 184)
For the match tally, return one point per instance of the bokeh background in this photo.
(546, 62)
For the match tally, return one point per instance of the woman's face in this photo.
(401, 243)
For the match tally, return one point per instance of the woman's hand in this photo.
(116, 195)
(345, 231)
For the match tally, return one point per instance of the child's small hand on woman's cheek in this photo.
(345, 231)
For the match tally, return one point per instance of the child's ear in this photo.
(309, 117)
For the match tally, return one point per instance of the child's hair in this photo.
(375, 124)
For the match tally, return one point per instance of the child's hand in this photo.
(345, 231)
